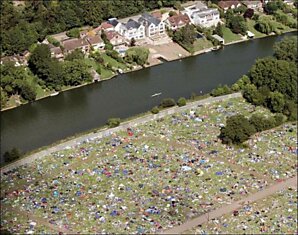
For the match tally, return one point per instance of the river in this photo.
(48, 120)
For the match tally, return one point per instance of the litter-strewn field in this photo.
(149, 178)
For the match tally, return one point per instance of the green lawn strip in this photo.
(201, 44)
(229, 36)
(113, 62)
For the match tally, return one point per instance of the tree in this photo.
(249, 13)
(113, 122)
(277, 75)
(172, 13)
(181, 101)
(75, 73)
(286, 49)
(139, 55)
(155, 110)
(185, 36)
(264, 24)
(237, 130)
(4, 97)
(253, 96)
(77, 54)
(168, 102)
(12, 155)
(219, 30)
(132, 42)
(275, 102)
(28, 92)
(237, 25)
(73, 33)
(262, 123)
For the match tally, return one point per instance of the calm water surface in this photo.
(46, 121)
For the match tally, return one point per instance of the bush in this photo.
(221, 90)
(181, 101)
(168, 102)
(113, 122)
(12, 155)
(155, 110)
(237, 130)
(262, 123)
(279, 119)
(73, 33)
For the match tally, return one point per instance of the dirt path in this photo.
(291, 182)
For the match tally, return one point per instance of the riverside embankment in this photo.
(41, 123)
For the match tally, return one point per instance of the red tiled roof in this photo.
(157, 14)
(72, 44)
(175, 19)
(112, 34)
(228, 4)
(94, 40)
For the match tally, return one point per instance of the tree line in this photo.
(272, 83)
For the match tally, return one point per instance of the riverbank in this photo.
(105, 131)
(154, 62)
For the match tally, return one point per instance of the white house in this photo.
(132, 29)
(153, 26)
(200, 14)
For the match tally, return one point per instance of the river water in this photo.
(41, 123)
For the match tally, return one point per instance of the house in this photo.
(289, 2)
(115, 38)
(255, 5)
(157, 15)
(200, 14)
(225, 5)
(96, 42)
(153, 26)
(177, 21)
(56, 52)
(132, 29)
(72, 44)
(16, 60)
(118, 27)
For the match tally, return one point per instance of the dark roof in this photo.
(132, 24)
(149, 18)
(228, 4)
(113, 22)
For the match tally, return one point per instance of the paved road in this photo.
(291, 182)
(108, 132)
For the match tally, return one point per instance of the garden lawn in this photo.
(201, 44)
(104, 73)
(229, 36)
(250, 24)
(113, 62)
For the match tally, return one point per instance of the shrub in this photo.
(237, 130)
(181, 101)
(155, 110)
(168, 102)
(12, 155)
(113, 122)
(279, 119)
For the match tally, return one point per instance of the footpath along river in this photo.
(48, 120)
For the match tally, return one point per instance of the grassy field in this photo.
(147, 178)
(113, 62)
(229, 36)
(201, 44)
(276, 214)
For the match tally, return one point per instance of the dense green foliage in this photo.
(181, 101)
(113, 122)
(286, 49)
(12, 155)
(236, 23)
(21, 26)
(155, 110)
(185, 37)
(17, 81)
(167, 102)
(237, 130)
(138, 55)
